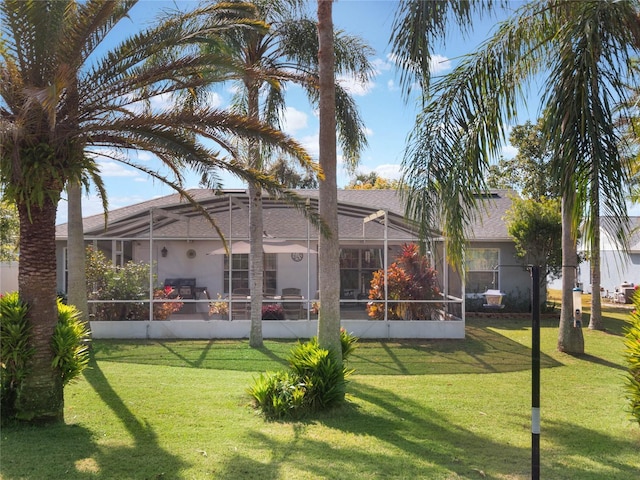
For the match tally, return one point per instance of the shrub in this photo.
(632, 355)
(279, 394)
(409, 278)
(323, 378)
(69, 342)
(106, 281)
(15, 350)
(272, 311)
(315, 381)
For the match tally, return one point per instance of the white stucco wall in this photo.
(8, 276)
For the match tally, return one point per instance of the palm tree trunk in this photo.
(77, 283)
(40, 398)
(328, 250)
(595, 321)
(256, 265)
(256, 254)
(570, 338)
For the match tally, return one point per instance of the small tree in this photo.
(536, 228)
(410, 277)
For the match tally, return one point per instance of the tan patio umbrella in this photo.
(268, 246)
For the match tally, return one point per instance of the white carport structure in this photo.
(178, 243)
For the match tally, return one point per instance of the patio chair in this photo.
(292, 309)
(239, 307)
(290, 291)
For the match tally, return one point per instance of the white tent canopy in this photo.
(268, 246)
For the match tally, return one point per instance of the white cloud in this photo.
(390, 171)
(114, 169)
(439, 64)
(294, 120)
(367, 131)
(509, 151)
(380, 65)
(354, 86)
(311, 143)
(391, 86)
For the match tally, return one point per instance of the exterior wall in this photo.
(513, 278)
(8, 277)
(209, 329)
(208, 270)
(615, 269)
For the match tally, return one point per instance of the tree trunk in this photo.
(77, 281)
(595, 321)
(256, 253)
(329, 248)
(40, 397)
(256, 265)
(570, 338)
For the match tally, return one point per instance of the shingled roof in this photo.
(230, 211)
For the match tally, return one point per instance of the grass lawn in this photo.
(453, 409)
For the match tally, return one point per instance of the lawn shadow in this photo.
(145, 440)
(598, 361)
(483, 350)
(77, 454)
(219, 354)
(598, 451)
(73, 459)
(410, 442)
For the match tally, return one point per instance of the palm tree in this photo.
(60, 98)
(266, 62)
(584, 51)
(328, 247)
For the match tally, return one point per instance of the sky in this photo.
(388, 117)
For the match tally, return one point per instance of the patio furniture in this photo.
(292, 306)
(290, 291)
(240, 307)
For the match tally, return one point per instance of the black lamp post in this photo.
(535, 368)
(535, 372)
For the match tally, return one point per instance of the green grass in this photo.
(450, 409)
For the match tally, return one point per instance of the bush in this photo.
(632, 355)
(70, 339)
(69, 344)
(129, 282)
(410, 278)
(272, 311)
(314, 382)
(15, 351)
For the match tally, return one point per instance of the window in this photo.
(356, 270)
(240, 270)
(482, 269)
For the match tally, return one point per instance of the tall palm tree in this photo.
(61, 97)
(583, 50)
(328, 247)
(267, 61)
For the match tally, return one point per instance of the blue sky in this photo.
(388, 117)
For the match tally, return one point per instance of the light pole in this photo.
(535, 372)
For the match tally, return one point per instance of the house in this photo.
(185, 253)
(618, 270)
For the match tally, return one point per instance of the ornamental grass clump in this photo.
(314, 382)
(632, 355)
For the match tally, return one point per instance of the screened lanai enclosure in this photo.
(160, 269)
